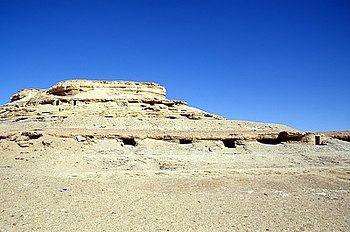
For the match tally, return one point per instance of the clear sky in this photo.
(271, 61)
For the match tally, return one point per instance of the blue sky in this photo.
(276, 61)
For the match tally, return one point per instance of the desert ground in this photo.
(119, 156)
(61, 184)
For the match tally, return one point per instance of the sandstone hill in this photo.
(123, 109)
(120, 156)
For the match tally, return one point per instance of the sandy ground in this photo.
(68, 163)
(60, 184)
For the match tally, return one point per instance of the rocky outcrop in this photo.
(341, 135)
(126, 110)
(100, 98)
(23, 139)
(110, 89)
(25, 95)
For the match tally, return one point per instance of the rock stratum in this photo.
(129, 110)
(100, 98)
(119, 156)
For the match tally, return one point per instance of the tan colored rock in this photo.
(32, 134)
(110, 89)
(80, 138)
(342, 135)
(23, 143)
(121, 109)
(25, 94)
(99, 98)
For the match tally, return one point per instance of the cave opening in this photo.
(269, 141)
(129, 141)
(185, 141)
(229, 143)
(282, 137)
(343, 138)
(317, 140)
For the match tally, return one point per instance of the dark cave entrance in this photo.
(229, 143)
(269, 141)
(185, 141)
(282, 137)
(129, 141)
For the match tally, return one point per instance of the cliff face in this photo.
(108, 89)
(125, 109)
(100, 98)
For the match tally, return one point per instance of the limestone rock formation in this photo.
(129, 109)
(100, 98)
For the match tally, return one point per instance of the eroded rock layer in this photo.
(99, 98)
(123, 109)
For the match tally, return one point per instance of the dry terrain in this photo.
(71, 160)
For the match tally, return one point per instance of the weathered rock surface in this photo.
(99, 98)
(128, 109)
